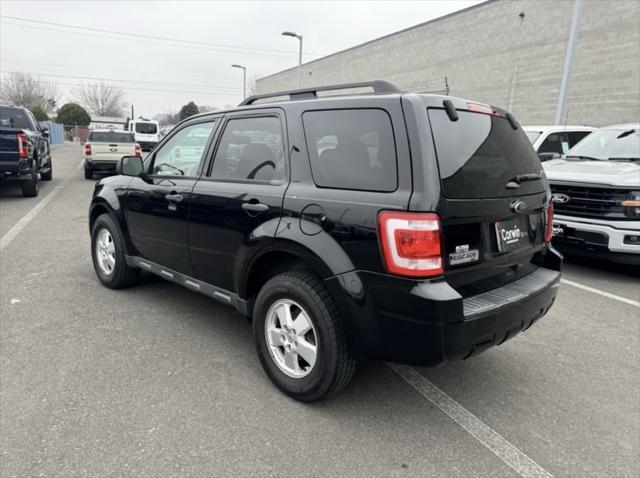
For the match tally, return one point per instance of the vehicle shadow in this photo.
(602, 265)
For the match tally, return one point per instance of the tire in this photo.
(120, 275)
(304, 294)
(88, 173)
(31, 186)
(48, 176)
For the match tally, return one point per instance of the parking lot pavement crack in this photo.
(501, 447)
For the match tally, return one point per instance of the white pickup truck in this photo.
(595, 190)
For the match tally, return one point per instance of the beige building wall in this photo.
(509, 53)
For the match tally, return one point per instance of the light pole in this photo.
(244, 79)
(299, 37)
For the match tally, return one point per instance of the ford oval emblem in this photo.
(519, 206)
(560, 198)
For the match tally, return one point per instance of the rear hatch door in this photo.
(493, 197)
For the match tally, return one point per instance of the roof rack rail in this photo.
(380, 87)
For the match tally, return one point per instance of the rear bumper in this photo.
(10, 169)
(603, 239)
(429, 323)
(100, 165)
(147, 145)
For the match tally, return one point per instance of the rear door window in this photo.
(352, 149)
(479, 154)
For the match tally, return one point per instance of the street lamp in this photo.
(244, 79)
(299, 37)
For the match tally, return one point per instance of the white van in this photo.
(145, 132)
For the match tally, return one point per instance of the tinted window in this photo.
(576, 136)
(479, 154)
(182, 153)
(352, 149)
(110, 137)
(555, 143)
(146, 128)
(250, 149)
(14, 118)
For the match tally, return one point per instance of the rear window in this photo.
(479, 154)
(146, 128)
(352, 149)
(14, 118)
(110, 137)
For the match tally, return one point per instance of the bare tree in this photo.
(101, 98)
(24, 89)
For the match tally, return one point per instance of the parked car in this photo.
(553, 141)
(393, 226)
(596, 195)
(24, 149)
(103, 149)
(145, 132)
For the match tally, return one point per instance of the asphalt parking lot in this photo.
(159, 381)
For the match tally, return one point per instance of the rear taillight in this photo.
(87, 149)
(548, 232)
(23, 145)
(411, 243)
(138, 150)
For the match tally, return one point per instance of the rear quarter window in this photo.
(352, 149)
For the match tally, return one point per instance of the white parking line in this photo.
(28, 217)
(603, 293)
(502, 448)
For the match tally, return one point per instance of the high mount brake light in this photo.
(548, 232)
(476, 108)
(23, 145)
(411, 243)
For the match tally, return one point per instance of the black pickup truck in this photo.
(24, 149)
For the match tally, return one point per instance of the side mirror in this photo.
(548, 156)
(130, 166)
(45, 131)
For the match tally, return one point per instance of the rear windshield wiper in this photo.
(624, 159)
(522, 178)
(584, 158)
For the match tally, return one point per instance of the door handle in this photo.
(255, 206)
(174, 197)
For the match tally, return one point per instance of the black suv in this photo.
(388, 226)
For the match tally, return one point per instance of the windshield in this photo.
(533, 135)
(146, 128)
(13, 118)
(609, 143)
(110, 137)
(479, 154)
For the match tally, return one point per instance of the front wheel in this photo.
(300, 339)
(48, 174)
(108, 251)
